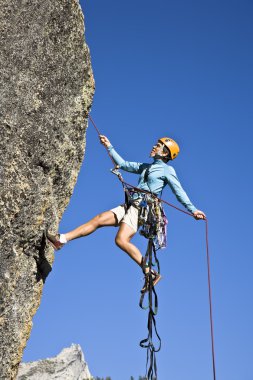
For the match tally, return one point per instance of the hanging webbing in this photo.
(153, 227)
(148, 343)
(151, 366)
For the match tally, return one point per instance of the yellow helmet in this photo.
(171, 145)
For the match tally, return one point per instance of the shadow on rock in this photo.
(43, 266)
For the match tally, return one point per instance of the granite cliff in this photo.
(46, 90)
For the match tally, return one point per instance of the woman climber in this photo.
(153, 178)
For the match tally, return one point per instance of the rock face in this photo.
(68, 365)
(46, 89)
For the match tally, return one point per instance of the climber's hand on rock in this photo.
(104, 140)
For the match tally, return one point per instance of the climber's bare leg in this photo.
(104, 219)
(122, 239)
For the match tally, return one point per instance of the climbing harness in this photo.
(151, 216)
(153, 223)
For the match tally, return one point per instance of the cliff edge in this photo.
(46, 90)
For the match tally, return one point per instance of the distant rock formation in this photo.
(68, 365)
(46, 90)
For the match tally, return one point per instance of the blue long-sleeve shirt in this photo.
(160, 175)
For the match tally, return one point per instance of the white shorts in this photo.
(128, 216)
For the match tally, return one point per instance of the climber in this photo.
(153, 178)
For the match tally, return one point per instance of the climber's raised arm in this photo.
(132, 167)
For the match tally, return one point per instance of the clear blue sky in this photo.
(183, 69)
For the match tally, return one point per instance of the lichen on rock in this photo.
(46, 91)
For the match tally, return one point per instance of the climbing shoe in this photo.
(54, 240)
(155, 278)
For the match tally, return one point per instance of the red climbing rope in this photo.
(207, 254)
(98, 132)
(210, 299)
(94, 125)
